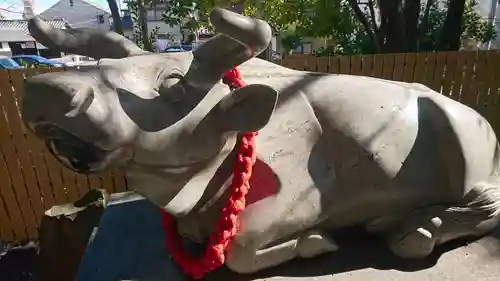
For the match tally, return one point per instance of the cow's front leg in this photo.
(246, 259)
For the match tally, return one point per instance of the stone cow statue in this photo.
(408, 163)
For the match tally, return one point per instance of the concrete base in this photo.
(129, 245)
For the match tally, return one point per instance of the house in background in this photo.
(78, 13)
(126, 23)
(165, 31)
(16, 40)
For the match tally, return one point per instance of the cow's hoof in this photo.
(415, 244)
(315, 243)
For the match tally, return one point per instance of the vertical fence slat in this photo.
(494, 91)
(458, 76)
(420, 64)
(119, 181)
(82, 184)
(70, 187)
(409, 68)
(107, 182)
(37, 154)
(68, 176)
(467, 96)
(481, 78)
(490, 112)
(15, 168)
(355, 65)
(16, 126)
(95, 182)
(294, 63)
(311, 63)
(496, 80)
(378, 64)
(12, 220)
(449, 71)
(367, 65)
(323, 64)
(55, 174)
(495, 71)
(437, 81)
(8, 205)
(430, 66)
(5, 223)
(345, 64)
(388, 67)
(28, 155)
(11, 171)
(54, 169)
(399, 64)
(334, 65)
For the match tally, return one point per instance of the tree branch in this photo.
(371, 7)
(376, 29)
(392, 25)
(361, 17)
(452, 28)
(411, 12)
(424, 26)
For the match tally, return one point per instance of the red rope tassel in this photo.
(227, 226)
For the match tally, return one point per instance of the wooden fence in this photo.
(473, 78)
(31, 180)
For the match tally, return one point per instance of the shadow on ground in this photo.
(355, 253)
(130, 246)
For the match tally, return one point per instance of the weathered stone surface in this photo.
(408, 164)
(64, 235)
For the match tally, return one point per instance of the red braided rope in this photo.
(227, 226)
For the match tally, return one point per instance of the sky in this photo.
(40, 5)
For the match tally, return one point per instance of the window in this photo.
(29, 45)
(100, 18)
(1, 47)
(303, 49)
(307, 48)
(151, 15)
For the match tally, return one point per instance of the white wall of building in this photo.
(79, 13)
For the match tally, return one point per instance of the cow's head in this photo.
(155, 109)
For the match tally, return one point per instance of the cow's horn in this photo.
(240, 38)
(89, 42)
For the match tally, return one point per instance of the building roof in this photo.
(17, 30)
(13, 35)
(23, 24)
(75, 2)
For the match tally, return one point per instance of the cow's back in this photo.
(380, 145)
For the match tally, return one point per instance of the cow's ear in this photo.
(247, 109)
